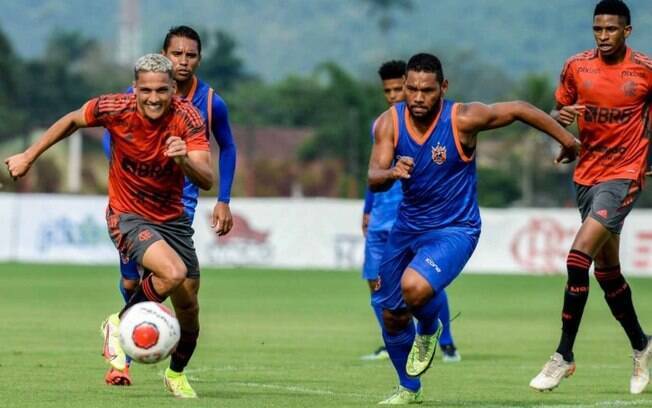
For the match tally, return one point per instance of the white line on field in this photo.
(616, 403)
(296, 389)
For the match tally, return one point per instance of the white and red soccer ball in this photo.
(149, 332)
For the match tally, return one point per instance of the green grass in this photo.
(273, 338)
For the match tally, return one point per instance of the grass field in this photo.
(273, 338)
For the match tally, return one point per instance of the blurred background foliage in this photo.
(333, 91)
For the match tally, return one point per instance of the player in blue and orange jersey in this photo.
(608, 90)
(429, 144)
(379, 215)
(182, 45)
(157, 141)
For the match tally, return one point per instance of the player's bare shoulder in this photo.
(385, 126)
(467, 117)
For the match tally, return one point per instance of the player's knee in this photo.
(415, 293)
(130, 285)
(395, 321)
(173, 273)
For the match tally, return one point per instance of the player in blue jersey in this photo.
(429, 144)
(182, 46)
(378, 218)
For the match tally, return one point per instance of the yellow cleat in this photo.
(403, 396)
(422, 353)
(112, 351)
(178, 385)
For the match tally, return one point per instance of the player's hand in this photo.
(365, 224)
(568, 114)
(568, 154)
(648, 172)
(18, 165)
(403, 168)
(222, 221)
(175, 147)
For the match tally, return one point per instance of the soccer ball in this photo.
(149, 332)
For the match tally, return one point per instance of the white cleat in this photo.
(112, 350)
(641, 375)
(379, 354)
(555, 370)
(450, 354)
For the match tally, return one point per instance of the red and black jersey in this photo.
(142, 180)
(612, 127)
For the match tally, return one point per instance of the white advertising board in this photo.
(301, 233)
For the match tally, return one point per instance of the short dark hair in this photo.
(614, 8)
(393, 69)
(426, 63)
(182, 31)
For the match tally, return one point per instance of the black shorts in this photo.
(608, 202)
(133, 234)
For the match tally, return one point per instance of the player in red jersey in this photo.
(157, 139)
(607, 90)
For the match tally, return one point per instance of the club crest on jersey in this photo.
(439, 154)
(629, 89)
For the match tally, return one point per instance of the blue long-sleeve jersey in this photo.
(215, 113)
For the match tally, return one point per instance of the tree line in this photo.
(339, 106)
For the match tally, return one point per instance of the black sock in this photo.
(575, 296)
(618, 295)
(143, 293)
(184, 350)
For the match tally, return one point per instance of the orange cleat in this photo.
(118, 377)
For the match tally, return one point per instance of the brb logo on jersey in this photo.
(439, 154)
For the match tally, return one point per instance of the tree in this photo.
(60, 82)
(12, 119)
(220, 65)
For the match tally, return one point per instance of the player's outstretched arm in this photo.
(475, 117)
(381, 173)
(19, 164)
(195, 164)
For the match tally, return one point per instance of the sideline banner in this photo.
(301, 233)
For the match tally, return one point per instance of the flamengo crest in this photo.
(439, 154)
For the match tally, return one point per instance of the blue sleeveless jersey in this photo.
(441, 191)
(385, 204)
(385, 207)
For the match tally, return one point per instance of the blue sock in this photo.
(428, 315)
(398, 347)
(378, 312)
(125, 295)
(446, 337)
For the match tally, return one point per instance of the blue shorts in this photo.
(438, 255)
(129, 269)
(374, 247)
